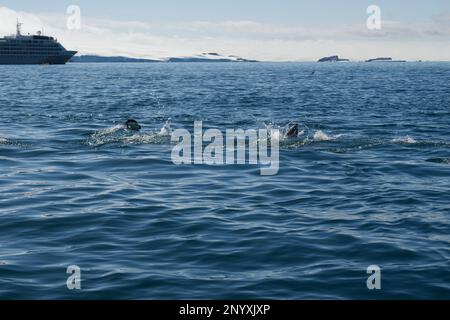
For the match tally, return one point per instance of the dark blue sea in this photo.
(367, 182)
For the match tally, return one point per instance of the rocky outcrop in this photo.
(333, 59)
(384, 60)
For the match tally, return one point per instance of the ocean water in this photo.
(367, 182)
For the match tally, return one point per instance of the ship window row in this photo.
(29, 41)
(28, 44)
(27, 53)
(27, 58)
(28, 50)
(27, 47)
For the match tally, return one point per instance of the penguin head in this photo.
(133, 125)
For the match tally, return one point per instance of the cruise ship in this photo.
(32, 49)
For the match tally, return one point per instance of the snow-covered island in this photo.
(209, 57)
(95, 58)
(204, 57)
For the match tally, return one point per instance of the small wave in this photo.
(404, 140)
(13, 143)
(440, 160)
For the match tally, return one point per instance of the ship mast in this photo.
(19, 27)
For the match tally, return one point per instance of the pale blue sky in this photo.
(315, 12)
(273, 30)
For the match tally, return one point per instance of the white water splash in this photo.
(120, 134)
(148, 138)
(281, 135)
(276, 135)
(322, 136)
(109, 131)
(405, 140)
(166, 130)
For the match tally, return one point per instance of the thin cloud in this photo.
(250, 39)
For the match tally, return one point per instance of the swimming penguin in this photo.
(133, 125)
(292, 132)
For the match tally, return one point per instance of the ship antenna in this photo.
(19, 26)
